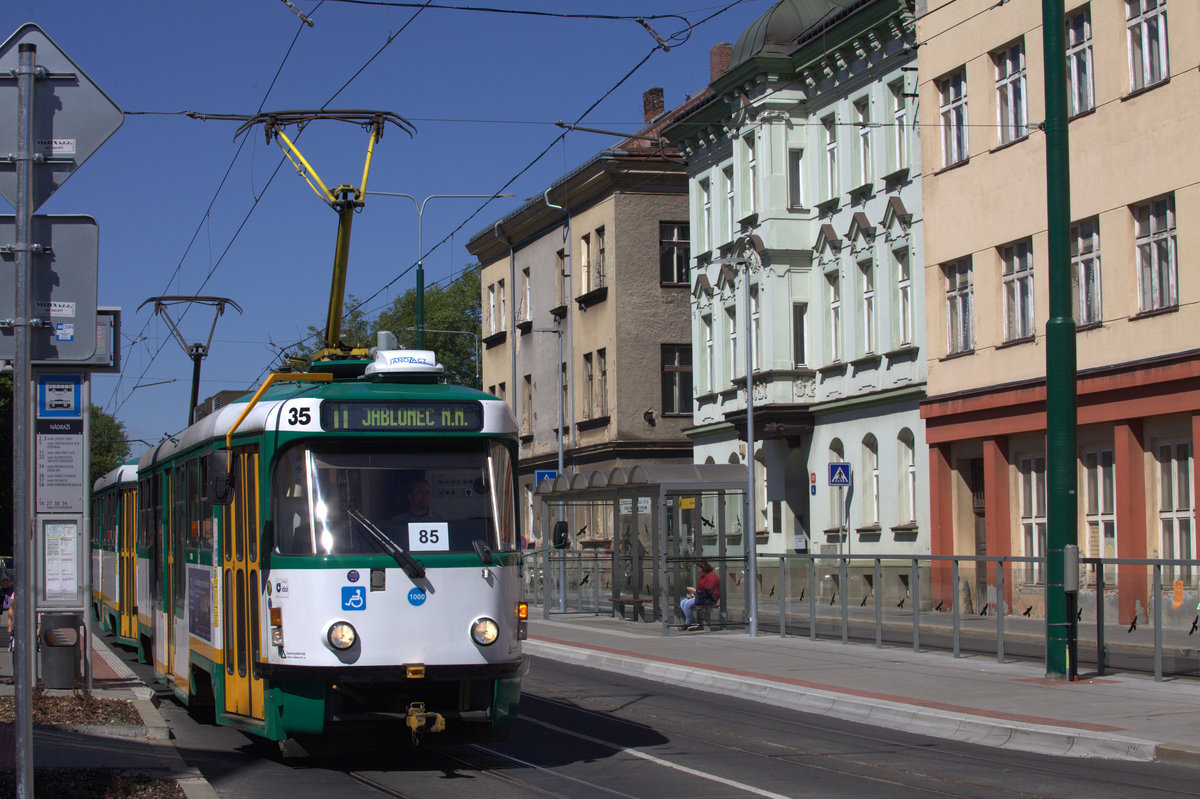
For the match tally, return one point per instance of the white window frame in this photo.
(751, 188)
(492, 308)
(796, 177)
(1085, 271)
(503, 321)
(1176, 506)
(871, 471)
(831, 157)
(866, 278)
(598, 266)
(755, 329)
(952, 91)
(898, 139)
(706, 322)
(731, 354)
(1012, 116)
(589, 385)
(1146, 27)
(908, 476)
(1158, 276)
(1099, 507)
(960, 323)
(1032, 469)
(799, 334)
(730, 204)
(1081, 84)
(706, 231)
(862, 120)
(1017, 270)
(602, 383)
(833, 281)
(904, 296)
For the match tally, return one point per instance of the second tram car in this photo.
(116, 591)
(297, 581)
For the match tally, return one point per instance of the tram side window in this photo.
(178, 524)
(97, 522)
(206, 509)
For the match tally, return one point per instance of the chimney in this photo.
(652, 104)
(718, 60)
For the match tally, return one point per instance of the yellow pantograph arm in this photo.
(370, 152)
(304, 168)
(274, 377)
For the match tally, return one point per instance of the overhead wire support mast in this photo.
(344, 199)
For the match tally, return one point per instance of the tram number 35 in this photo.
(299, 416)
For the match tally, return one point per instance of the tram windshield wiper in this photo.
(411, 567)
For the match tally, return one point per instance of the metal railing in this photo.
(1133, 614)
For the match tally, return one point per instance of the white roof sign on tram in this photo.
(405, 361)
(72, 116)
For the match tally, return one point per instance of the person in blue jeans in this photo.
(706, 593)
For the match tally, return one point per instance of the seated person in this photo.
(706, 593)
(420, 498)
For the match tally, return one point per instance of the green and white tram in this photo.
(116, 592)
(297, 589)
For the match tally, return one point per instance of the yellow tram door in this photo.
(240, 591)
(127, 569)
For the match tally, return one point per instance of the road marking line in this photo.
(643, 755)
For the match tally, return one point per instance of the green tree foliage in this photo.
(109, 445)
(453, 308)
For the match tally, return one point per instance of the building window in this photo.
(731, 353)
(751, 188)
(898, 140)
(585, 263)
(862, 120)
(834, 282)
(1100, 513)
(830, 176)
(589, 386)
(502, 393)
(676, 378)
(730, 205)
(837, 506)
(1010, 93)
(1085, 270)
(523, 313)
(706, 229)
(564, 409)
(492, 308)
(1147, 27)
(796, 178)
(755, 329)
(1175, 507)
(866, 279)
(960, 331)
(904, 296)
(602, 383)
(501, 323)
(706, 322)
(1156, 254)
(674, 252)
(908, 477)
(599, 265)
(953, 95)
(871, 473)
(1033, 512)
(1017, 259)
(527, 406)
(799, 334)
(564, 277)
(1080, 84)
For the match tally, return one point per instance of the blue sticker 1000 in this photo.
(416, 597)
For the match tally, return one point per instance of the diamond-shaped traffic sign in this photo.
(839, 474)
(72, 117)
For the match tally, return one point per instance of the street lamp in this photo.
(420, 250)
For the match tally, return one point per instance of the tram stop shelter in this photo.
(648, 525)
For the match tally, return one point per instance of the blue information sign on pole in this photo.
(544, 474)
(839, 474)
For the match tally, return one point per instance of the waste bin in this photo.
(60, 649)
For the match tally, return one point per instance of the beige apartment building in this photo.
(585, 314)
(1135, 204)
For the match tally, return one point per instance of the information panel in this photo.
(62, 566)
(401, 416)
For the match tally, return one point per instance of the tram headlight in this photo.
(342, 635)
(485, 631)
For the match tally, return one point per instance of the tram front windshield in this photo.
(338, 498)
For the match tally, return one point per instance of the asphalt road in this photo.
(585, 733)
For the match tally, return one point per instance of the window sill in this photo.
(1089, 326)
(1011, 143)
(903, 351)
(590, 298)
(496, 338)
(750, 220)
(957, 164)
(829, 205)
(1139, 92)
(835, 368)
(906, 532)
(869, 529)
(663, 285)
(1154, 312)
(1087, 112)
(870, 359)
(527, 438)
(960, 354)
(862, 190)
(592, 423)
(1016, 342)
(525, 326)
(896, 176)
(559, 311)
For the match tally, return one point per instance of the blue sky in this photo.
(170, 193)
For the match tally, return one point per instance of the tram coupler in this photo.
(420, 721)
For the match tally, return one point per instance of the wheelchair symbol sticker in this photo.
(416, 597)
(354, 597)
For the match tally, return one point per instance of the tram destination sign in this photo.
(401, 416)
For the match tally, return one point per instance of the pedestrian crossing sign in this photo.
(839, 474)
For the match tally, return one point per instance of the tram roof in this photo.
(125, 473)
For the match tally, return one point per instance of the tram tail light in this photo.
(522, 621)
(277, 626)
